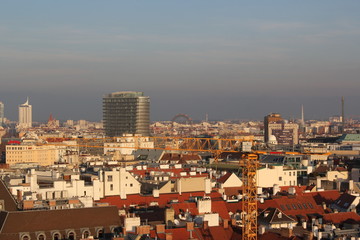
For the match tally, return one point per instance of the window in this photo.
(111, 187)
(86, 234)
(289, 173)
(56, 236)
(305, 206)
(131, 184)
(110, 178)
(299, 206)
(280, 178)
(294, 206)
(41, 237)
(71, 236)
(288, 206)
(100, 233)
(26, 237)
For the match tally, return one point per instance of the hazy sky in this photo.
(230, 59)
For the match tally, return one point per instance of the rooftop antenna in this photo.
(342, 114)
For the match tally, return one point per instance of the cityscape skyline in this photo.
(175, 120)
(290, 116)
(234, 61)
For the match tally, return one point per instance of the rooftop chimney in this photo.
(168, 236)
(226, 223)
(189, 226)
(205, 225)
(160, 228)
(19, 195)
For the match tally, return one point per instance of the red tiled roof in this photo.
(341, 217)
(321, 169)
(220, 233)
(293, 205)
(224, 178)
(272, 236)
(177, 234)
(327, 197)
(163, 200)
(231, 191)
(220, 207)
(234, 207)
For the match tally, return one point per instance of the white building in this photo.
(25, 115)
(127, 144)
(278, 175)
(109, 183)
(119, 182)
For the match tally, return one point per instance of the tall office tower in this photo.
(302, 121)
(25, 115)
(2, 114)
(271, 118)
(126, 113)
(285, 133)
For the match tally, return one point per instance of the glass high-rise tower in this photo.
(126, 113)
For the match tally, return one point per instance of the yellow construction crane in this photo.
(216, 146)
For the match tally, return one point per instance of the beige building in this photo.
(285, 133)
(43, 155)
(186, 184)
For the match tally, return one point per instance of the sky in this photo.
(228, 59)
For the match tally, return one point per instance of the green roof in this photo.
(349, 138)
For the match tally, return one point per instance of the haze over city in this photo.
(231, 60)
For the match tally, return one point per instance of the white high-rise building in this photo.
(2, 118)
(25, 115)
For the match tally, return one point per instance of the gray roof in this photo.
(148, 154)
(273, 159)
